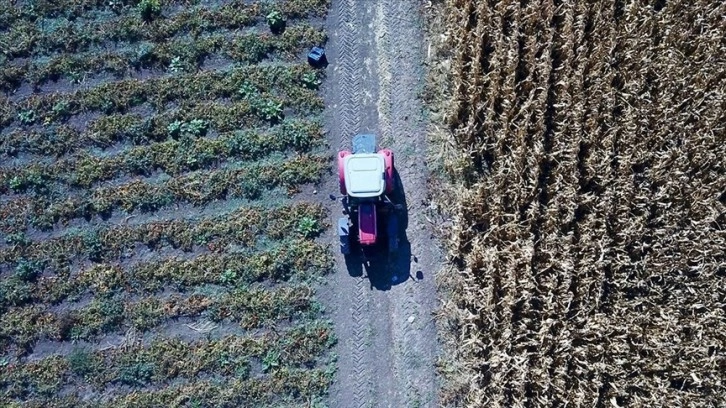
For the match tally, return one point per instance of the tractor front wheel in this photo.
(341, 170)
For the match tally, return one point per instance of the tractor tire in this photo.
(392, 245)
(341, 171)
(389, 169)
(344, 235)
(392, 232)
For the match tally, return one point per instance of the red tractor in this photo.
(367, 182)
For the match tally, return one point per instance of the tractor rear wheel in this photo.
(392, 232)
(389, 169)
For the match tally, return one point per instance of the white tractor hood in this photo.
(364, 175)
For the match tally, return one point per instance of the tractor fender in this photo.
(388, 161)
(341, 170)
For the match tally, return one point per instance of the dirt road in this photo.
(387, 339)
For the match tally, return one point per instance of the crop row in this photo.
(192, 120)
(286, 385)
(184, 54)
(23, 326)
(290, 258)
(174, 156)
(291, 81)
(11, 14)
(168, 359)
(26, 39)
(241, 227)
(196, 188)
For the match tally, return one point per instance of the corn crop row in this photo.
(587, 244)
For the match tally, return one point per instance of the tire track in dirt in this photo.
(361, 325)
(398, 108)
(419, 299)
(387, 339)
(348, 71)
(349, 79)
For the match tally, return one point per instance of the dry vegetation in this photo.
(586, 145)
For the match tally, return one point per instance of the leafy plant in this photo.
(271, 360)
(229, 276)
(108, 106)
(61, 109)
(177, 65)
(82, 362)
(33, 179)
(17, 239)
(249, 48)
(15, 292)
(247, 90)
(174, 128)
(196, 127)
(310, 80)
(136, 374)
(149, 9)
(275, 21)
(145, 314)
(269, 109)
(120, 96)
(250, 188)
(16, 184)
(102, 315)
(94, 247)
(308, 226)
(76, 76)
(27, 271)
(27, 117)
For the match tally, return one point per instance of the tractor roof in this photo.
(364, 175)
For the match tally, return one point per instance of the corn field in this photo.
(585, 144)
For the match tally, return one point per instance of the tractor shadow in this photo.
(382, 269)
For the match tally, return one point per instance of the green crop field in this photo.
(153, 250)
